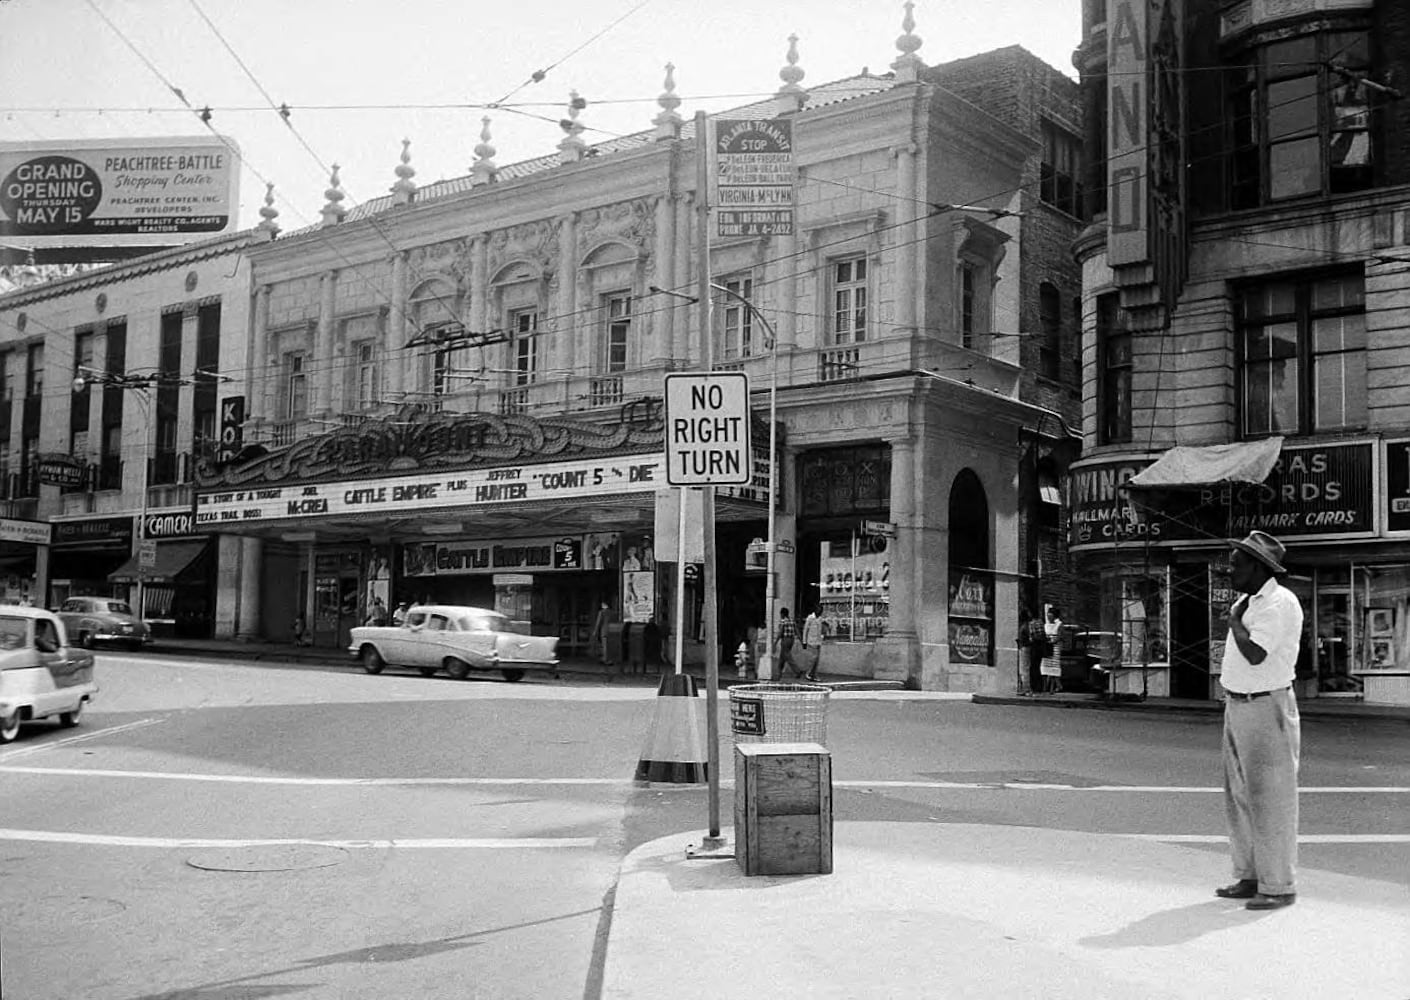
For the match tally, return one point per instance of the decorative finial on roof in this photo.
(269, 213)
(404, 190)
(483, 170)
(668, 123)
(794, 95)
(572, 148)
(333, 213)
(908, 65)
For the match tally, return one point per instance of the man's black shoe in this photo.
(1244, 888)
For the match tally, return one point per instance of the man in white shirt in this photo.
(1262, 734)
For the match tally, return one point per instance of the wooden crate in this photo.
(783, 808)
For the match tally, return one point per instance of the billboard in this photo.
(145, 192)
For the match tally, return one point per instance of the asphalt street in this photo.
(222, 830)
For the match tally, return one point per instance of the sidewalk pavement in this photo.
(284, 652)
(989, 913)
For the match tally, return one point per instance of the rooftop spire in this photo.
(483, 170)
(572, 148)
(404, 190)
(333, 212)
(668, 123)
(908, 65)
(269, 213)
(794, 96)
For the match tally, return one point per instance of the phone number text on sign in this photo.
(481, 487)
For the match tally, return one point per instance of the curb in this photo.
(1309, 709)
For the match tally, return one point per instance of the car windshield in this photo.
(120, 607)
(12, 632)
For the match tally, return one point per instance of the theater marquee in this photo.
(506, 486)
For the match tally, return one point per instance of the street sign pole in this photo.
(707, 505)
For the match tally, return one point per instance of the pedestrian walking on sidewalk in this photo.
(1050, 665)
(783, 653)
(1262, 730)
(812, 638)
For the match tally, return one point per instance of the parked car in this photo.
(93, 620)
(40, 674)
(455, 639)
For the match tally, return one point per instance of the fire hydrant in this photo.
(741, 660)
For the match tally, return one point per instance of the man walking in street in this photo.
(784, 642)
(812, 638)
(1262, 736)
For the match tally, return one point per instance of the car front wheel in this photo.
(372, 660)
(9, 726)
(458, 669)
(70, 719)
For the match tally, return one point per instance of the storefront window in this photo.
(1135, 610)
(1383, 599)
(854, 581)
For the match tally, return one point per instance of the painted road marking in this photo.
(1015, 786)
(96, 734)
(423, 843)
(1302, 838)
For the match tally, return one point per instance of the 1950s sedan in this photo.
(455, 639)
(40, 674)
(92, 620)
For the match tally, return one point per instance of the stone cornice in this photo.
(162, 260)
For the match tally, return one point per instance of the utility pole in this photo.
(707, 504)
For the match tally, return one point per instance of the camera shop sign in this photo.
(487, 488)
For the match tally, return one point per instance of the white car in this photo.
(41, 675)
(455, 639)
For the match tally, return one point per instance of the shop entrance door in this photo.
(1334, 640)
(1190, 624)
(571, 608)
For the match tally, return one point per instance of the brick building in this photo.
(1247, 330)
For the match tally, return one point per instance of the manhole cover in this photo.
(268, 858)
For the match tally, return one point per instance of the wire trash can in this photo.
(774, 712)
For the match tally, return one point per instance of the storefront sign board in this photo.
(25, 532)
(501, 487)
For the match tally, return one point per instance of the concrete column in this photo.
(227, 586)
(479, 313)
(95, 395)
(897, 653)
(565, 324)
(322, 360)
(261, 373)
(682, 346)
(663, 311)
(906, 250)
(249, 623)
(185, 406)
(785, 295)
(398, 358)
